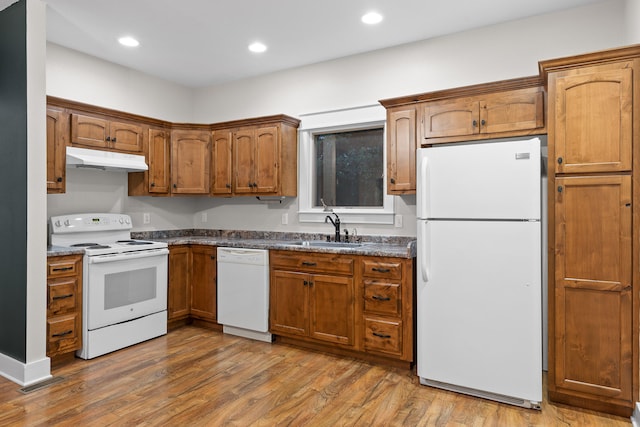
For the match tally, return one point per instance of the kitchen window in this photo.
(342, 163)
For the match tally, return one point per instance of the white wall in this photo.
(497, 52)
(632, 14)
(79, 77)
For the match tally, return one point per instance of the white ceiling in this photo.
(199, 43)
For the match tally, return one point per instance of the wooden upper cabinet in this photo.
(57, 139)
(489, 115)
(159, 161)
(451, 118)
(592, 120)
(401, 150)
(96, 132)
(221, 162)
(190, 161)
(256, 154)
(592, 320)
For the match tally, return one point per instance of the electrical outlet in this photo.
(398, 221)
(203, 217)
(146, 218)
(285, 219)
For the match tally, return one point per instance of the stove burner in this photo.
(99, 247)
(134, 242)
(82, 245)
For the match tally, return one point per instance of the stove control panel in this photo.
(88, 222)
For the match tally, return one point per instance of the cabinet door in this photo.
(331, 309)
(190, 161)
(221, 174)
(401, 151)
(179, 290)
(265, 164)
(591, 113)
(512, 111)
(243, 150)
(593, 299)
(88, 131)
(289, 308)
(125, 137)
(159, 157)
(203, 282)
(57, 138)
(451, 118)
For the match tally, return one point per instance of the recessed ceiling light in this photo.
(371, 18)
(128, 41)
(257, 47)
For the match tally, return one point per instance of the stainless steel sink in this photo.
(323, 244)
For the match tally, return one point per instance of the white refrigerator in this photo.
(479, 314)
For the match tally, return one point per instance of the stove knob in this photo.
(67, 223)
(127, 220)
(121, 220)
(57, 223)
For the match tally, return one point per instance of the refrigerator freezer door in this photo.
(478, 315)
(489, 180)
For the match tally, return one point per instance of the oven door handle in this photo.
(98, 259)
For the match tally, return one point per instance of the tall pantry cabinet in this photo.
(594, 229)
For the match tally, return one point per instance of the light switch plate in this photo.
(146, 218)
(398, 221)
(285, 219)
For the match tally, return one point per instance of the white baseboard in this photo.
(635, 417)
(25, 374)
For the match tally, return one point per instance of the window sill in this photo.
(348, 216)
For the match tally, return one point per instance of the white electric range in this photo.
(124, 285)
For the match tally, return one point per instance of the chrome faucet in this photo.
(335, 223)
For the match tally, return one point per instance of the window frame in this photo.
(357, 118)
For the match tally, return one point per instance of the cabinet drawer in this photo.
(62, 334)
(383, 335)
(313, 262)
(382, 297)
(62, 267)
(386, 269)
(61, 295)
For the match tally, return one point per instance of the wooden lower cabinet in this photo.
(203, 282)
(64, 304)
(310, 303)
(179, 292)
(192, 284)
(356, 305)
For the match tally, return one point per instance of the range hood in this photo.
(105, 160)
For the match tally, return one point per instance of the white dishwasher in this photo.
(243, 292)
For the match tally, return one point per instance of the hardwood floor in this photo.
(197, 377)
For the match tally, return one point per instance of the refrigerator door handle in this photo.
(423, 242)
(422, 185)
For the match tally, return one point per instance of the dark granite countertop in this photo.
(63, 250)
(390, 246)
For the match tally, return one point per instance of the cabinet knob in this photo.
(483, 122)
(59, 179)
(113, 139)
(175, 186)
(228, 185)
(393, 180)
(153, 184)
(559, 160)
(213, 257)
(108, 138)
(559, 188)
(475, 123)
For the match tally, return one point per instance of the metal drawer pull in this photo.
(62, 334)
(381, 270)
(309, 264)
(379, 298)
(381, 335)
(62, 296)
(62, 268)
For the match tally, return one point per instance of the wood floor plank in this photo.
(198, 377)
